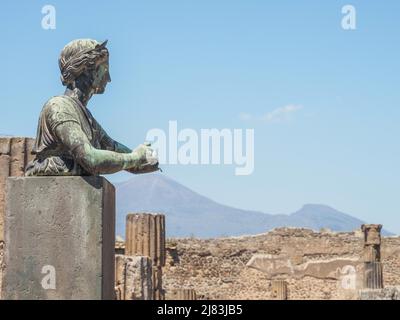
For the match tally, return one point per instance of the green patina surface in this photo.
(69, 140)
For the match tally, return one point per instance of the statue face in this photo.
(101, 77)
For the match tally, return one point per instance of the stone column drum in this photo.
(133, 278)
(183, 294)
(145, 236)
(59, 238)
(279, 289)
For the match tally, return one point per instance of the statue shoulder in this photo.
(59, 109)
(59, 104)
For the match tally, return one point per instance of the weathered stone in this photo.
(372, 233)
(182, 294)
(1, 262)
(29, 156)
(5, 144)
(17, 149)
(62, 229)
(119, 246)
(145, 236)
(4, 173)
(17, 153)
(157, 283)
(388, 293)
(371, 253)
(373, 275)
(4, 165)
(209, 275)
(133, 278)
(372, 242)
(2, 208)
(279, 289)
(274, 266)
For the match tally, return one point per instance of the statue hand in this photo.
(147, 160)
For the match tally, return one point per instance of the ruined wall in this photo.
(15, 153)
(217, 269)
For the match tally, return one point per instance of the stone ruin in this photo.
(137, 268)
(14, 156)
(373, 276)
(362, 277)
(279, 289)
(133, 278)
(144, 240)
(141, 258)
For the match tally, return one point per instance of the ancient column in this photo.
(133, 278)
(279, 289)
(59, 236)
(373, 275)
(183, 294)
(119, 246)
(145, 236)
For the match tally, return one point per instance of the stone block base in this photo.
(59, 238)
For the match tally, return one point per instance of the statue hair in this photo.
(79, 56)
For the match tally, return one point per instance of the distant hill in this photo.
(191, 214)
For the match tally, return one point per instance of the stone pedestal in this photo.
(59, 238)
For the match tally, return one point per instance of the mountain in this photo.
(191, 214)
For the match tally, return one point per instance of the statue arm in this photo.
(108, 143)
(97, 161)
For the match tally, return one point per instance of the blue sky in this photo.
(207, 63)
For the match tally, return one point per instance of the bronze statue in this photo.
(69, 140)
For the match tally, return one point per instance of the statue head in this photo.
(84, 64)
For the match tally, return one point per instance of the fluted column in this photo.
(373, 273)
(145, 236)
(133, 278)
(183, 294)
(279, 289)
